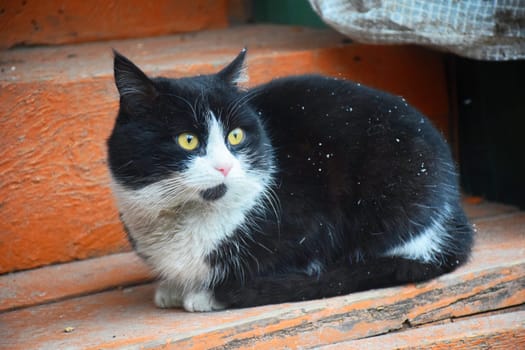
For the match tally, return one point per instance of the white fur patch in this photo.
(201, 301)
(202, 172)
(428, 245)
(314, 268)
(168, 295)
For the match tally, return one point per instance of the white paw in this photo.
(167, 296)
(201, 301)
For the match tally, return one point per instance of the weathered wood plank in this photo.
(57, 282)
(479, 208)
(500, 231)
(58, 22)
(494, 279)
(504, 331)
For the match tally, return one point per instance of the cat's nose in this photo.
(224, 169)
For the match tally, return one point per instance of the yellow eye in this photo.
(188, 141)
(236, 136)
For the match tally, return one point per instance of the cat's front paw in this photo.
(201, 302)
(167, 296)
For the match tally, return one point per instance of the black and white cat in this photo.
(305, 187)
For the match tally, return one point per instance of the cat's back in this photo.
(338, 107)
(351, 141)
(344, 116)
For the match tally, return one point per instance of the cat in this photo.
(305, 187)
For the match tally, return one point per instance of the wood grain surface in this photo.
(504, 332)
(33, 22)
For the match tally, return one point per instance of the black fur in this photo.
(359, 172)
(214, 193)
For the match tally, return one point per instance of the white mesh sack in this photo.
(480, 29)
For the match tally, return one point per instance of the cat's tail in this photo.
(345, 279)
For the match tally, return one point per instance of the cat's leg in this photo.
(342, 279)
(168, 295)
(201, 301)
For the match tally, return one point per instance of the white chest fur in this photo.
(177, 241)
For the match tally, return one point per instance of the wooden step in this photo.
(64, 22)
(484, 299)
(503, 331)
(32, 287)
(58, 104)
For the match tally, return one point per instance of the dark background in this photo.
(491, 128)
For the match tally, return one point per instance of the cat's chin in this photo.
(214, 193)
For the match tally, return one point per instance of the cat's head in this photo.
(187, 140)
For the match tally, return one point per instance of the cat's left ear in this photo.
(235, 72)
(133, 85)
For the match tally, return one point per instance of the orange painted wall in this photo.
(33, 22)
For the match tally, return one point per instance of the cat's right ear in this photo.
(235, 72)
(132, 84)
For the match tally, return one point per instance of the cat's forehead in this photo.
(199, 113)
(198, 102)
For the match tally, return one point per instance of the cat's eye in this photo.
(188, 141)
(236, 136)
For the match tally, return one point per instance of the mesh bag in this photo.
(479, 29)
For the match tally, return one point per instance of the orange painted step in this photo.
(505, 331)
(58, 104)
(48, 22)
(494, 279)
(32, 287)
